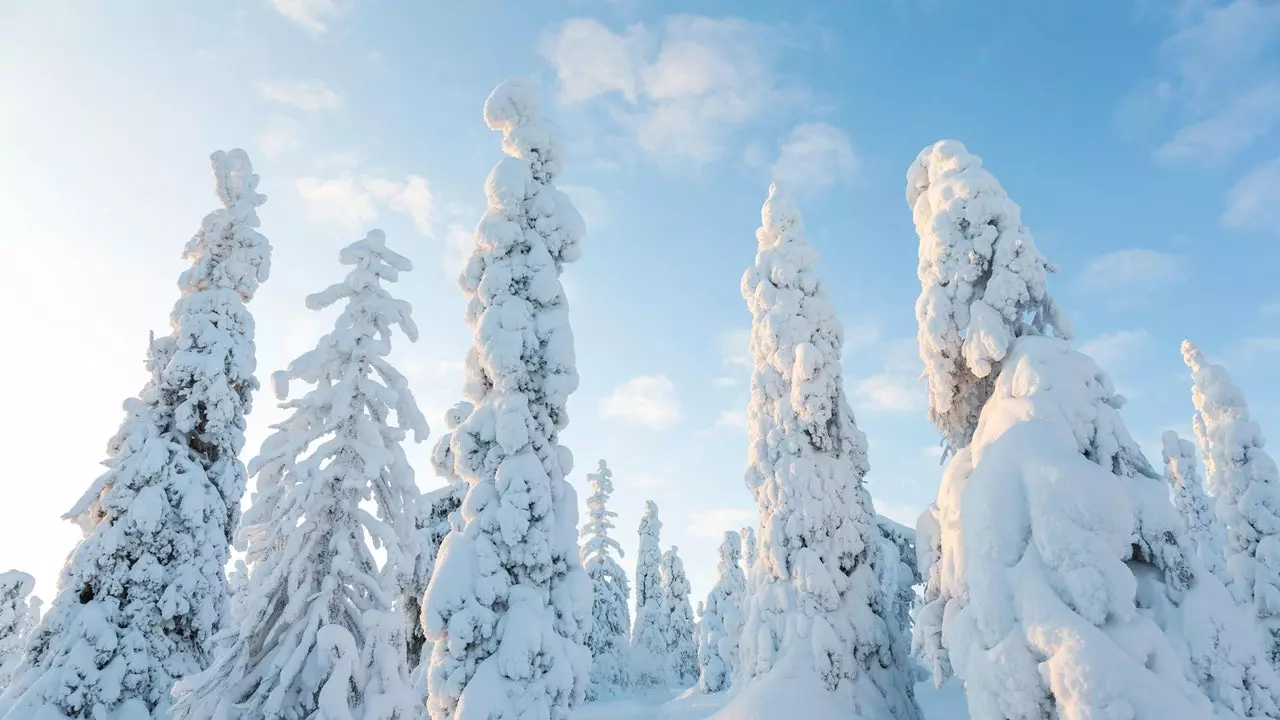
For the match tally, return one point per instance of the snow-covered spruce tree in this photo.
(899, 571)
(926, 628)
(435, 508)
(677, 613)
(1065, 586)
(649, 634)
(320, 636)
(19, 613)
(1245, 485)
(609, 639)
(1204, 531)
(816, 611)
(720, 623)
(143, 593)
(509, 605)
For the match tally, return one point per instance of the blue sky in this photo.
(1140, 139)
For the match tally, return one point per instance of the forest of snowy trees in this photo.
(1059, 574)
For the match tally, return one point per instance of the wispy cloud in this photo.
(646, 401)
(1131, 275)
(313, 15)
(735, 348)
(1117, 348)
(353, 201)
(814, 156)
(281, 136)
(714, 523)
(309, 95)
(890, 392)
(685, 86)
(1254, 202)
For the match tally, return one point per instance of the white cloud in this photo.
(1254, 202)
(1218, 79)
(1116, 349)
(590, 59)
(646, 401)
(1255, 348)
(1269, 309)
(281, 136)
(735, 348)
(890, 391)
(735, 419)
(859, 336)
(353, 201)
(309, 95)
(342, 200)
(727, 382)
(714, 523)
(685, 87)
(314, 15)
(1231, 129)
(814, 156)
(1132, 274)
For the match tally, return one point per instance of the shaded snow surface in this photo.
(787, 699)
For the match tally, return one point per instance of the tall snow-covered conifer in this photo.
(1203, 528)
(748, 548)
(899, 571)
(720, 625)
(817, 613)
(609, 639)
(509, 605)
(1064, 578)
(19, 613)
(649, 634)
(677, 613)
(1246, 488)
(320, 636)
(141, 596)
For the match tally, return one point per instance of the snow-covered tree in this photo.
(926, 628)
(816, 610)
(609, 639)
(509, 605)
(143, 593)
(1245, 486)
(19, 613)
(649, 634)
(435, 508)
(720, 623)
(899, 571)
(1065, 587)
(677, 614)
(321, 636)
(1204, 531)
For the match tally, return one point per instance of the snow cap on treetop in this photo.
(513, 109)
(237, 182)
(17, 582)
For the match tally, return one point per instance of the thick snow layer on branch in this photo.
(816, 604)
(142, 595)
(610, 637)
(982, 283)
(509, 605)
(1245, 486)
(319, 635)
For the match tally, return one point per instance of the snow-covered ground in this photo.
(945, 704)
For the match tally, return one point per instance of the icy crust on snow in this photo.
(144, 592)
(19, 613)
(319, 635)
(1063, 587)
(677, 614)
(610, 636)
(649, 634)
(1204, 531)
(1245, 485)
(509, 605)
(982, 283)
(815, 600)
(720, 628)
